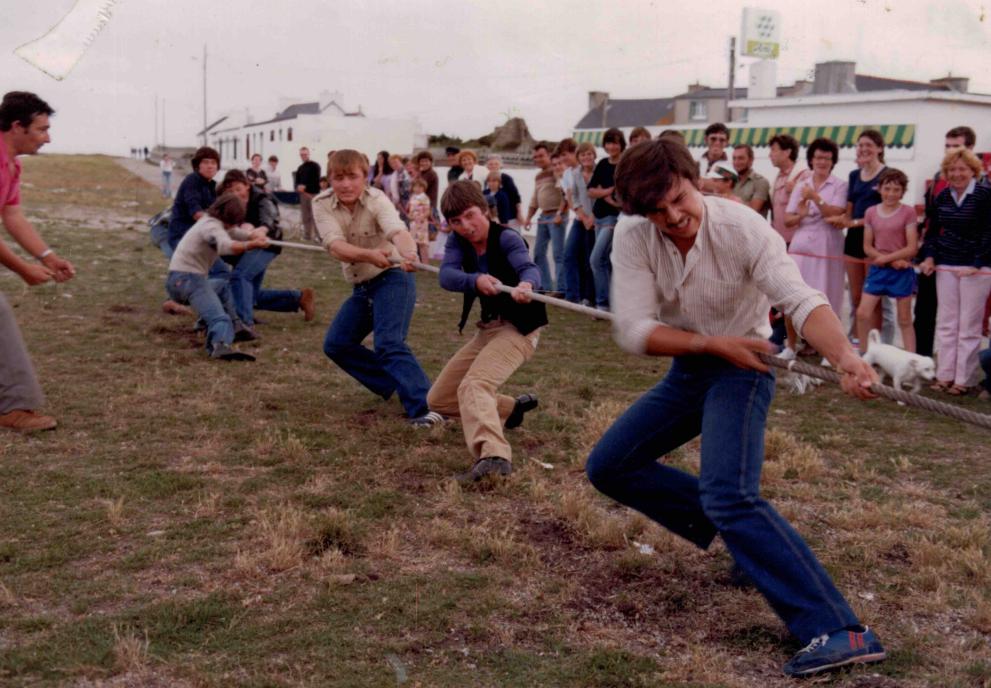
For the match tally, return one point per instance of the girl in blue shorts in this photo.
(891, 240)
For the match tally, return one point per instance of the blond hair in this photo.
(963, 155)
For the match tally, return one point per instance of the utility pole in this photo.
(732, 76)
(155, 138)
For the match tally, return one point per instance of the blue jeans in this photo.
(985, 359)
(601, 259)
(211, 299)
(383, 306)
(577, 271)
(246, 288)
(728, 406)
(549, 232)
(160, 237)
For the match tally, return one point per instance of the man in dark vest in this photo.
(478, 257)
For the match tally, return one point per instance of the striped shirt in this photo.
(961, 234)
(737, 268)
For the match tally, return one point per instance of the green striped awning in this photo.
(845, 135)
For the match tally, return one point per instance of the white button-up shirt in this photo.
(725, 285)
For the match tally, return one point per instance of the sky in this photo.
(460, 67)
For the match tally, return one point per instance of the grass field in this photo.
(194, 523)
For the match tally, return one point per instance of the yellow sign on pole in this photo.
(760, 33)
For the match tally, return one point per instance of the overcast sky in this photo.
(459, 66)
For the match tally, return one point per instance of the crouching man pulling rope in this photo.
(695, 281)
(479, 256)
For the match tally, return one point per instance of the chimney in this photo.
(696, 87)
(954, 83)
(836, 76)
(596, 99)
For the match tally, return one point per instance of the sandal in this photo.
(940, 386)
(958, 391)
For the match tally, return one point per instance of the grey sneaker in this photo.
(490, 465)
(427, 420)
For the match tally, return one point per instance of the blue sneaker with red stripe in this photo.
(856, 645)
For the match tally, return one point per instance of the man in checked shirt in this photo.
(694, 280)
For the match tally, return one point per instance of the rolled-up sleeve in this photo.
(777, 276)
(634, 290)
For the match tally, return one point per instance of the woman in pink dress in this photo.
(815, 198)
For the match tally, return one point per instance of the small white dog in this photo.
(902, 366)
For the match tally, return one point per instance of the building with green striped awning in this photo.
(895, 135)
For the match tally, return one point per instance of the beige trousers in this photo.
(467, 386)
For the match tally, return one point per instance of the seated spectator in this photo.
(217, 233)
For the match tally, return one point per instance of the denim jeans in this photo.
(728, 407)
(246, 288)
(550, 232)
(985, 358)
(160, 237)
(383, 306)
(601, 259)
(577, 271)
(210, 298)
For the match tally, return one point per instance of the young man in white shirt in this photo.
(692, 278)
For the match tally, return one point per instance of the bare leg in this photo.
(855, 274)
(865, 318)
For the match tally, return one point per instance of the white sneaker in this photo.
(428, 420)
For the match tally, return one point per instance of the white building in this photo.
(321, 126)
(913, 117)
(914, 124)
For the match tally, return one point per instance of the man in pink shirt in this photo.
(783, 154)
(23, 131)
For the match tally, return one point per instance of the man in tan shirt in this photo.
(693, 276)
(547, 200)
(360, 227)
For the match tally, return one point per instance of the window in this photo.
(247, 145)
(271, 135)
(234, 142)
(289, 134)
(280, 134)
(697, 110)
